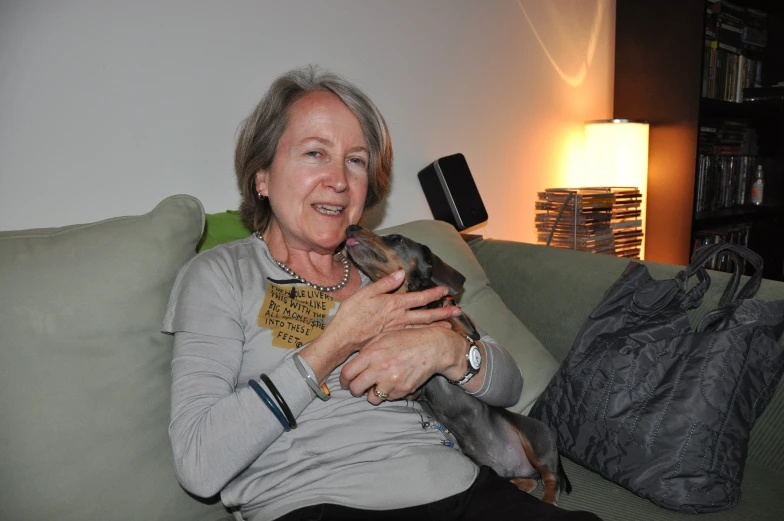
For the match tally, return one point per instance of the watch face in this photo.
(475, 357)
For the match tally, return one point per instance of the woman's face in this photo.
(319, 178)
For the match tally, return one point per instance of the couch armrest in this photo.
(552, 291)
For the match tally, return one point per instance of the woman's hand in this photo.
(399, 362)
(374, 309)
(369, 312)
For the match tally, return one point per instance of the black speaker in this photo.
(451, 192)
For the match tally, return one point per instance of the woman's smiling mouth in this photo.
(329, 209)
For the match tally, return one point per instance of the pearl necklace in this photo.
(326, 289)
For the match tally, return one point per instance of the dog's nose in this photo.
(353, 228)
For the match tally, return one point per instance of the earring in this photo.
(261, 197)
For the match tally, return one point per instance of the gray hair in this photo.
(260, 133)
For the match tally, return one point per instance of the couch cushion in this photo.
(761, 498)
(485, 307)
(84, 392)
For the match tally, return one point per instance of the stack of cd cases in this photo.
(594, 219)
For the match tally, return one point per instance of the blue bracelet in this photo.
(272, 407)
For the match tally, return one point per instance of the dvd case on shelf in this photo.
(596, 219)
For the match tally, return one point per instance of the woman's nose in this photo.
(337, 177)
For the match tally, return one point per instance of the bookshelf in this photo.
(683, 66)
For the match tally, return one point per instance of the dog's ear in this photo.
(442, 274)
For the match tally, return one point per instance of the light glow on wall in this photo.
(571, 168)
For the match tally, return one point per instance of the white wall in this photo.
(108, 106)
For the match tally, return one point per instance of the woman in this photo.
(324, 433)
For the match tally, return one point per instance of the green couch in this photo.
(84, 370)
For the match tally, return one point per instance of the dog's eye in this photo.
(395, 238)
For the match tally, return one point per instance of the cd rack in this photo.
(604, 219)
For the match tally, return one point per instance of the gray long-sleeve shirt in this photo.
(232, 321)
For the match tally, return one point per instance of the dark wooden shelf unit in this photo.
(658, 78)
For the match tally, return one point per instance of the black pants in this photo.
(491, 497)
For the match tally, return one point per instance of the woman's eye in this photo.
(313, 153)
(357, 161)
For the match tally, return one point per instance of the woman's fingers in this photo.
(361, 374)
(431, 316)
(441, 323)
(416, 299)
(365, 383)
(350, 372)
(376, 395)
(384, 285)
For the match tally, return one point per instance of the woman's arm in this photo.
(217, 430)
(218, 425)
(399, 362)
(502, 381)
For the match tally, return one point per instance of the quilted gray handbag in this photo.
(658, 407)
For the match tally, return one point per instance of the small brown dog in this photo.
(517, 447)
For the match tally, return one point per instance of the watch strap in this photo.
(465, 379)
(471, 372)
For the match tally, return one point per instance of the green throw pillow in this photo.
(222, 227)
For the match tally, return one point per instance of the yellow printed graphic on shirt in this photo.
(294, 321)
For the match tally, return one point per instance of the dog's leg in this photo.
(550, 489)
(549, 478)
(525, 484)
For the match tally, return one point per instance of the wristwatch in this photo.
(474, 359)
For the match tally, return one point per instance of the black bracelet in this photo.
(270, 404)
(280, 400)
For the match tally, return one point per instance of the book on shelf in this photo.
(723, 181)
(735, 40)
(595, 219)
(726, 163)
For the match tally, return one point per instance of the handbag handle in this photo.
(697, 267)
(739, 253)
(694, 297)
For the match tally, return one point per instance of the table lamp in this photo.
(616, 152)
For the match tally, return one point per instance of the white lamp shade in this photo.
(616, 152)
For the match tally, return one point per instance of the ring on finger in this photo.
(380, 394)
